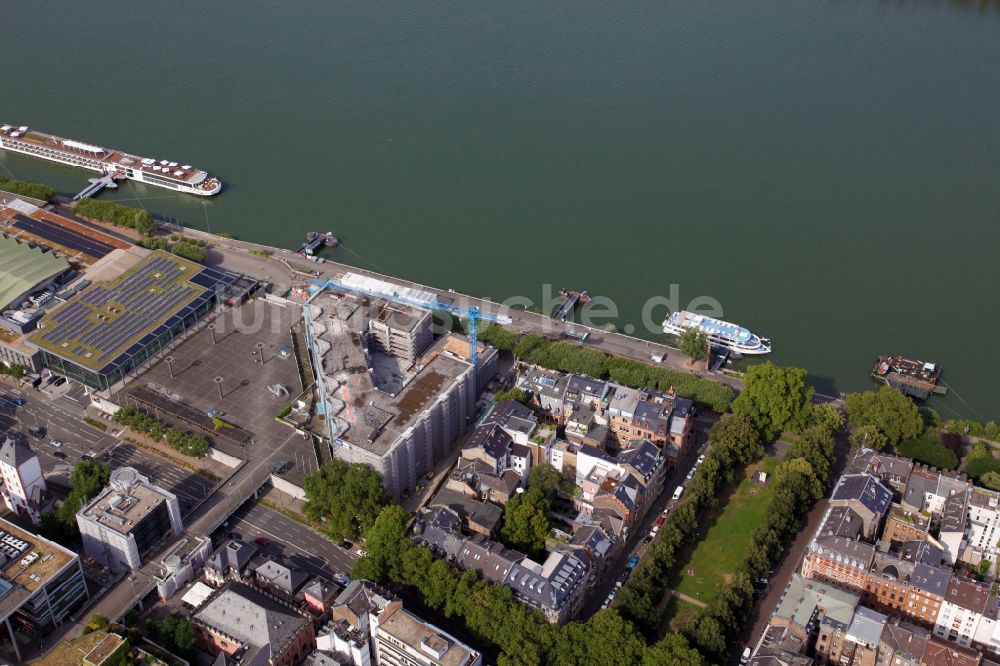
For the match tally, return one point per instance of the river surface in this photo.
(827, 171)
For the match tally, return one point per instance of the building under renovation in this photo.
(395, 398)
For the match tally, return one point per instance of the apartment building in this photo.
(961, 611)
(867, 498)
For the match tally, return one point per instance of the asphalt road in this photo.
(301, 545)
(62, 418)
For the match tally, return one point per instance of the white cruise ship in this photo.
(720, 333)
(114, 163)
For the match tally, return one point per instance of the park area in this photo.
(703, 568)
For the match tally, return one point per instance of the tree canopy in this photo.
(888, 410)
(516, 394)
(774, 399)
(526, 522)
(117, 214)
(693, 344)
(33, 190)
(868, 437)
(88, 478)
(344, 498)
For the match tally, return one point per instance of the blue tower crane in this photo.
(473, 314)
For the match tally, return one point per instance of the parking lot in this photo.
(229, 372)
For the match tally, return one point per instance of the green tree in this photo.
(868, 437)
(88, 478)
(526, 522)
(693, 344)
(827, 417)
(887, 409)
(190, 250)
(606, 639)
(33, 190)
(990, 480)
(386, 546)
(345, 498)
(516, 394)
(674, 649)
(15, 370)
(774, 399)
(97, 622)
(545, 478)
(502, 338)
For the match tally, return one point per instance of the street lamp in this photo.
(170, 365)
(218, 382)
(211, 327)
(260, 350)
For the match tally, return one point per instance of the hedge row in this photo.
(33, 190)
(180, 440)
(117, 214)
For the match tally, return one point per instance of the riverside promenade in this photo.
(236, 256)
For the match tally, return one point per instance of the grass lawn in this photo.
(722, 547)
(677, 611)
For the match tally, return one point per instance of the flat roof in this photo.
(17, 582)
(121, 510)
(367, 417)
(108, 321)
(104, 649)
(425, 638)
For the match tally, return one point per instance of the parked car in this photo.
(745, 657)
(87, 458)
(59, 454)
(56, 443)
(701, 459)
(342, 579)
(59, 382)
(38, 432)
(14, 400)
(691, 474)
(362, 552)
(661, 520)
(647, 538)
(214, 413)
(634, 560)
(346, 545)
(262, 542)
(233, 536)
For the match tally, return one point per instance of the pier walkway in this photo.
(98, 184)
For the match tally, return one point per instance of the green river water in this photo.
(828, 171)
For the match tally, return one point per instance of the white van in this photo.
(678, 492)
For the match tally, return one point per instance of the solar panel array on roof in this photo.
(109, 321)
(62, 236)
